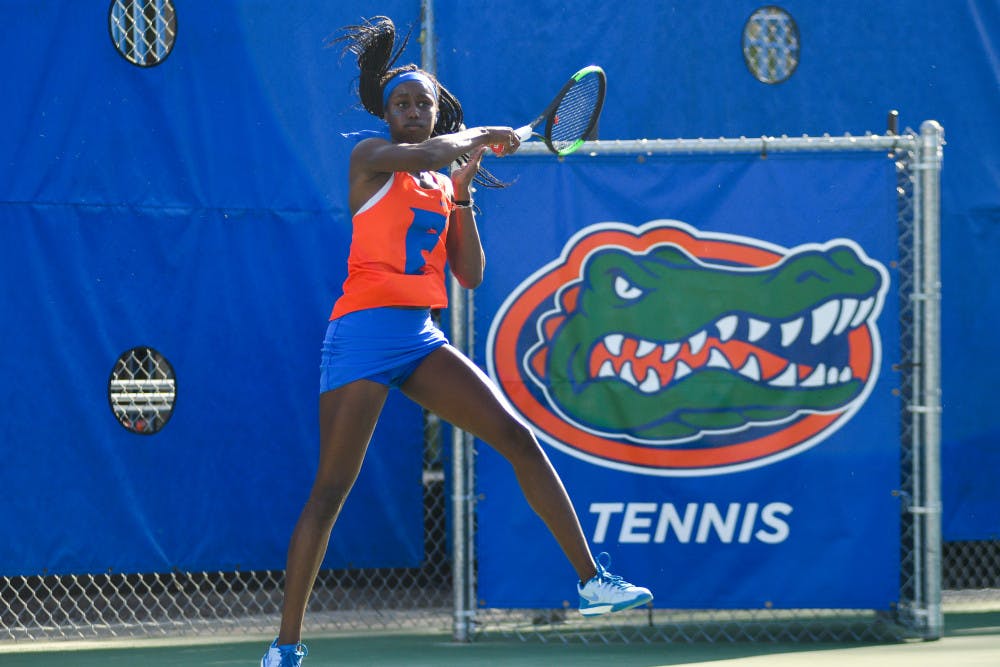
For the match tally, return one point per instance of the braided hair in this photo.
(373, 42)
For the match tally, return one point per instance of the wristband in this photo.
(462, 203)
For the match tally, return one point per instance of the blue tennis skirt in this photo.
(384, 345)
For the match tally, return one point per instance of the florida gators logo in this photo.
(667, 351)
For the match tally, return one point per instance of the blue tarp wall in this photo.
(198, 207)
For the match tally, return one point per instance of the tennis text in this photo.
(641, 523)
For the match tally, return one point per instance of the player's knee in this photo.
(326, 501)
(520, 443)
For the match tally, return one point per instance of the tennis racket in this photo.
(571, 117)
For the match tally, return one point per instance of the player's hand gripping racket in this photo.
(572, 116)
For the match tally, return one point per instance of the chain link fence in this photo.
(440, 594)
(102, 606)
(971, 575)
(969, 568)
(914, 613)
(143, 31)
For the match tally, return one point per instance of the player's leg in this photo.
(347, 418)
(452, 387)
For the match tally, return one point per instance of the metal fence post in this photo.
(462, 555)
(463, 582)
(428, 38)
(463, 535)
(929, 177)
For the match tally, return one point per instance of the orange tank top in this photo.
(398, 253)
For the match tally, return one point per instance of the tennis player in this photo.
(409, 220)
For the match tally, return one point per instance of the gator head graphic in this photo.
(663, 348)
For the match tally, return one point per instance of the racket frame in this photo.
(525, 132)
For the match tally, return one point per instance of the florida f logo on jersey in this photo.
(667, 351)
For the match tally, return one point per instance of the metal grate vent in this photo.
(771, 44)
(142, 390)
(143, 31)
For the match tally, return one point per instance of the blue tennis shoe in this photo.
(288, 655)
(605, 593)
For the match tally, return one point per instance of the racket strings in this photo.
(573, 116)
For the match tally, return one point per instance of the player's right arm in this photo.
(374, 160)
(434, 154)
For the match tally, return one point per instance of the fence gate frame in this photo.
(918, 159)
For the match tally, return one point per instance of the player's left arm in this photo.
(465, 250)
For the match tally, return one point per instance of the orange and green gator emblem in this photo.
(669, 351)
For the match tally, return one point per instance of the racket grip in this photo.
(523, 133)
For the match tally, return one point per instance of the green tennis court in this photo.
(971, 639)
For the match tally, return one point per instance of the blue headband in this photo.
(406, 76)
